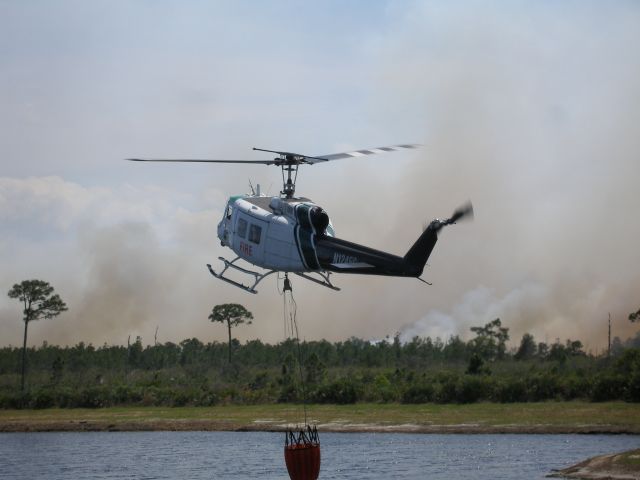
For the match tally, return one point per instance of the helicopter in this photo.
(292, 234)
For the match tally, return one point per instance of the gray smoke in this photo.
(537, 121)
(532, 112)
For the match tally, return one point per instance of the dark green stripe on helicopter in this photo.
(305, 233)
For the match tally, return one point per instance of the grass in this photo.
(554, 416)
(630, 459)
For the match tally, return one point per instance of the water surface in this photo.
(222, 455)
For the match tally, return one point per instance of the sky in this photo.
(531, 110)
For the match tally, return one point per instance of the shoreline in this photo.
(333, 427)
(488, 418)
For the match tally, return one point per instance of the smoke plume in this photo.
(531, 111)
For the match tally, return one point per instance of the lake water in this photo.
(221, 455)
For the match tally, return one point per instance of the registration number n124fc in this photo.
(342, 258)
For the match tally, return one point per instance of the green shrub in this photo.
(421, 393)
(381, 389)
(11, 400)
(94, 397)
(608, 387)
(510, 390)
(43, 398)
(543, 387)
(632, 393)
(179, 398)
(341, 391)
(573, 387)
(471, 388)
(447, 390)
(126, 395)
(66, 397)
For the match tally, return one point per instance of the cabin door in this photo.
(249, 238)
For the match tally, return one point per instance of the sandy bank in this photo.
(276, 426)
(617, 466)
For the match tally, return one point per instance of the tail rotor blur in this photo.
(465, 212)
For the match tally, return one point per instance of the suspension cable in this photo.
(293, 324)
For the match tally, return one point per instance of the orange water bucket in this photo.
(302, 454)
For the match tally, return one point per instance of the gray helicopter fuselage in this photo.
(267, 231)
(295, 235)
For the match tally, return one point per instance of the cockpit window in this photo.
(242, 228)
(229, 211)
(254, 233)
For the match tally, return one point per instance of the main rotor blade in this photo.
(366, 152)
(288, 158)
(199, 160)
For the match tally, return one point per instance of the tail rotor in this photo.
(419, 253)
(461, 213)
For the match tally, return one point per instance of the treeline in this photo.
(355, 370)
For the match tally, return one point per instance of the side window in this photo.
(254, 233)
(242, 228)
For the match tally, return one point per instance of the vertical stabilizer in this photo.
(417, 256)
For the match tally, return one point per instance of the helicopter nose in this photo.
(221, 234)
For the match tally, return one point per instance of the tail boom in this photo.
(337, 255)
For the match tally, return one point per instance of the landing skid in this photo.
(258, 277)
(325, 282)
